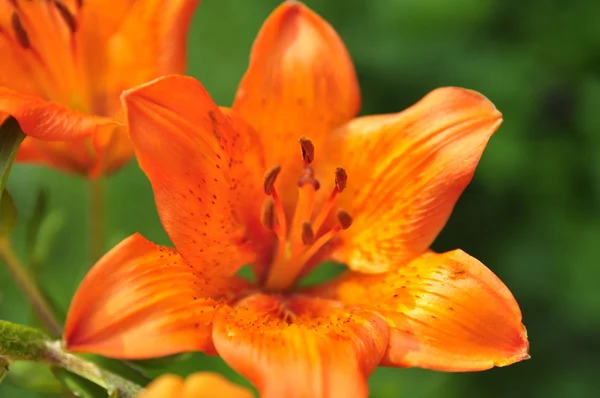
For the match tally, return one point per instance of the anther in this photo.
(308, 150)
(20, 32)
(270, 178)
(344, 218)
(79, 3)
(66, 15)
(267, 216)
(340, 179)
(308, 177)
(308, 235)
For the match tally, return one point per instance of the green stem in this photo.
(97, 233)
(22, 343)
(28, 285)
(88, 370)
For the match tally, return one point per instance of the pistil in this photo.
(307, 189)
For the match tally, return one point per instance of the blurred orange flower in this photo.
(201, 384)
(399, 304)
(65, 63)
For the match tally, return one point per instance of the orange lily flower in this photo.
(65, 64)
(399, 304)
(201, 384)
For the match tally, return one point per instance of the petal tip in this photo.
(519, 351)
(290, 13)
(292, 5)
(65, 342)
(523, 351)
(523, 356)
(71, 340)
(132, 93)
(470, 98)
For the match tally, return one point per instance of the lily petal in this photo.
(48, 120)
(301, 347)
(110, 12)
(251, 164)
(213, 385)
(194, 159)
(166, 386)
(143, 301)
(37, 43)
(112, 149)
(200, 384)
(300, 81)
(67, 156)
(406, 172)
(150, 42)
(16, 73)
(102, 154)
(445, 311)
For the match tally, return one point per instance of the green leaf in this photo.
(34, 376)
(41, 230)
(47, 234)
(78, 385)
(11, 137)
(8, 214)
(125, 369)
(160, 363)
(19, 342)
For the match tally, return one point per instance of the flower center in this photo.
(300, 240)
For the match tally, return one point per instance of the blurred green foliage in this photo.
(531, 214)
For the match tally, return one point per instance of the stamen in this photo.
(66, 15)
(308, 150)
(340, 179)
(268, 214)
(270, 178)
(304, 241)
(20, 32)
(308, 236)
(344, 218)
(319, 243)
(79, 3)
(278, 215)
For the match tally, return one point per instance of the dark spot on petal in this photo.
(20, 32)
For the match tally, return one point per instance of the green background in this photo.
(531, 214)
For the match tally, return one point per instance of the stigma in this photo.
(300, 239)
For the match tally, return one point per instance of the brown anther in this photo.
(308, 150)
(270, 178)
(267, 215)
(340, 179)
(20, 32)
(308, 177)
(79, 3)
(308, 235)
(344, 218)
(66, 15)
